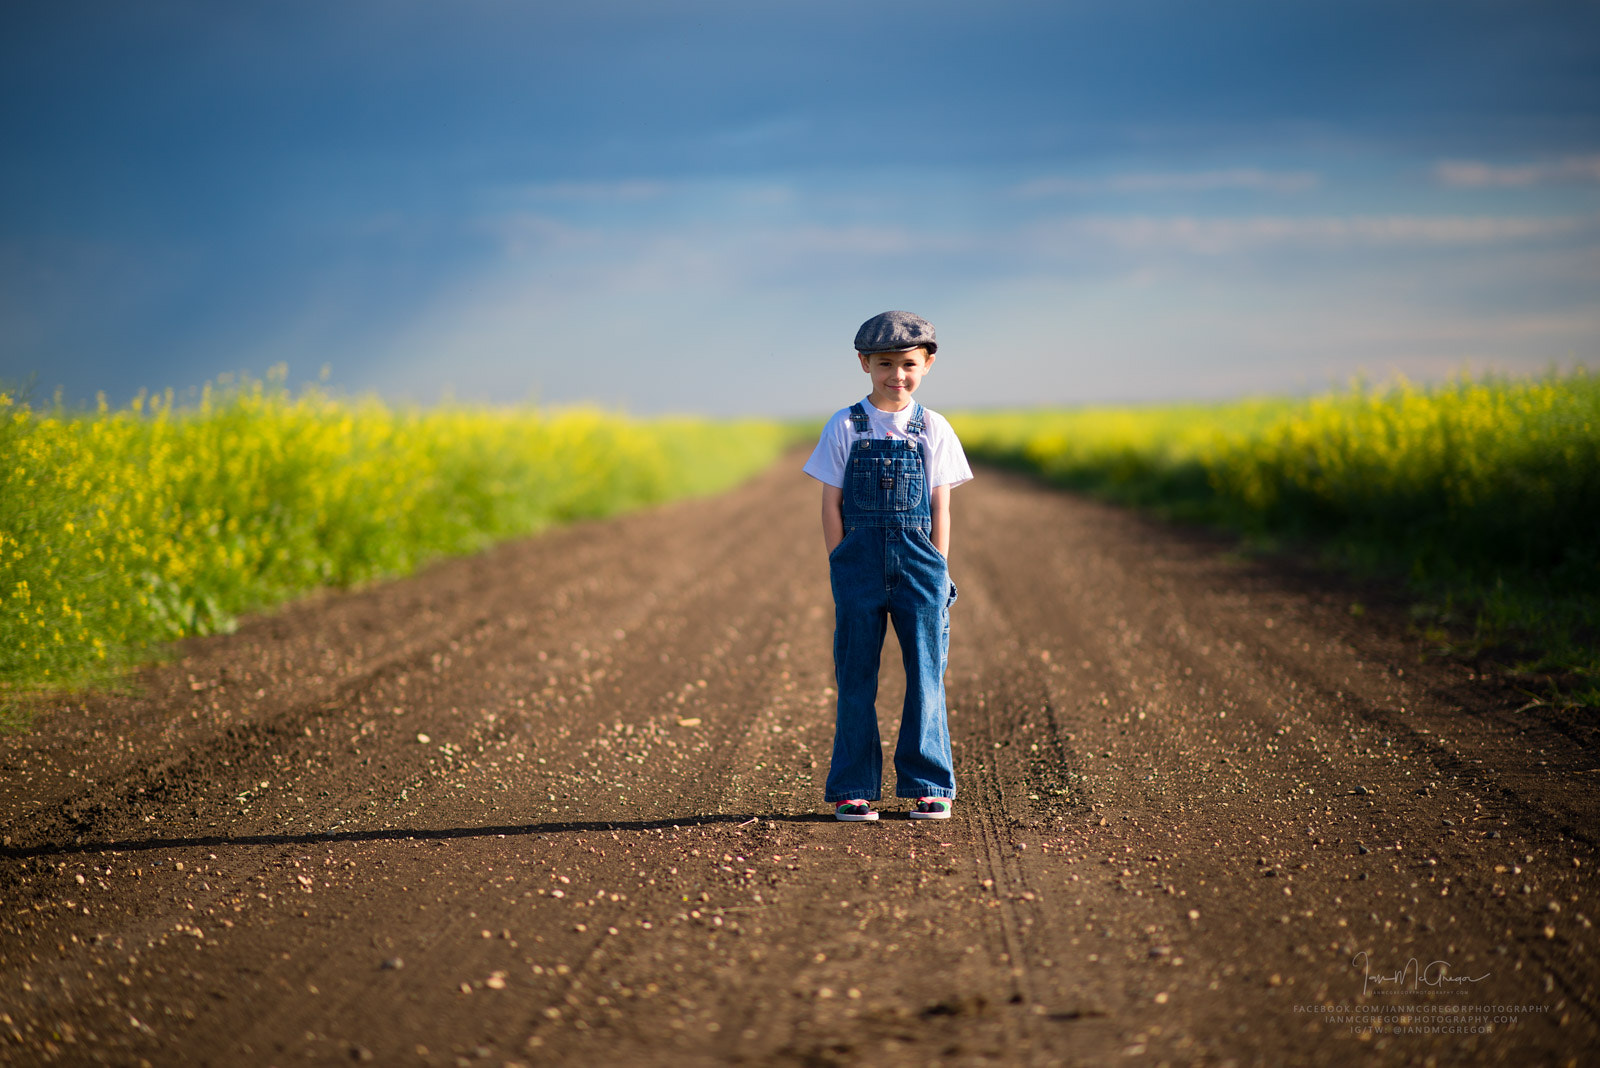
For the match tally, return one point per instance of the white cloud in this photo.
(1094, 306)
(1198, 334)
(1223, 235)
(1471, 174)
(729, 253)
(602, 192)
(862, 241)
(1249, 178)
(523, 234)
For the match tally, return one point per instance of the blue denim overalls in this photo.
(887, 567)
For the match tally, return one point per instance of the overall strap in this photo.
(915, 427)
(858, 420)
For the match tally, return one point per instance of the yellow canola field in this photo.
(127, 527)
(1484, 493)
(1486, 460)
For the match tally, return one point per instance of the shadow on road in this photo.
(398, 834)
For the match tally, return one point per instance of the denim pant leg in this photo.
(920, 609)
(860, 621)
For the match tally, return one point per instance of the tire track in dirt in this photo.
(1226, 779)
(1192, 789)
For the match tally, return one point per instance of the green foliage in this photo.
(123, 529)
(1484, 495)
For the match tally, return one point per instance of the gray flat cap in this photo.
(892, 331)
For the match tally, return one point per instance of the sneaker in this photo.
(930, 808)
(856, 811)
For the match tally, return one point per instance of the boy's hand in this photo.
(832, 516)
(939, 506)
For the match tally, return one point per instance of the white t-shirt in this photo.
(942, 455)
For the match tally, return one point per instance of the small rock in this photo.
(1363, 850)
(423, 739)
(360, 1053)
(1361, 791)
(392, 964)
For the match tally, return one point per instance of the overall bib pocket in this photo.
(886, 483)
(864, 482)
(907, 484)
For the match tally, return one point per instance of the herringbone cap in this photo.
(895, 331)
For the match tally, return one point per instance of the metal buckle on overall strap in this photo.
(916, 426)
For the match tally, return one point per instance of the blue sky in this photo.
(690, 206)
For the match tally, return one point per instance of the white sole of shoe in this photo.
(846, 818)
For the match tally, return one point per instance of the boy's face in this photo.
(895, 376)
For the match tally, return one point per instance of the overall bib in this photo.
(886, 568)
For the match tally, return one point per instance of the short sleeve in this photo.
(947, 460)
(830, 458)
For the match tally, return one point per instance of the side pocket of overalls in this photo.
(944, 643)
(833, 554)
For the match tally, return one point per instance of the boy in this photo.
(887, 466)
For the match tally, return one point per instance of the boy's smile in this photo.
(895, 376)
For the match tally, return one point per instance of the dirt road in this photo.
(560, 804)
